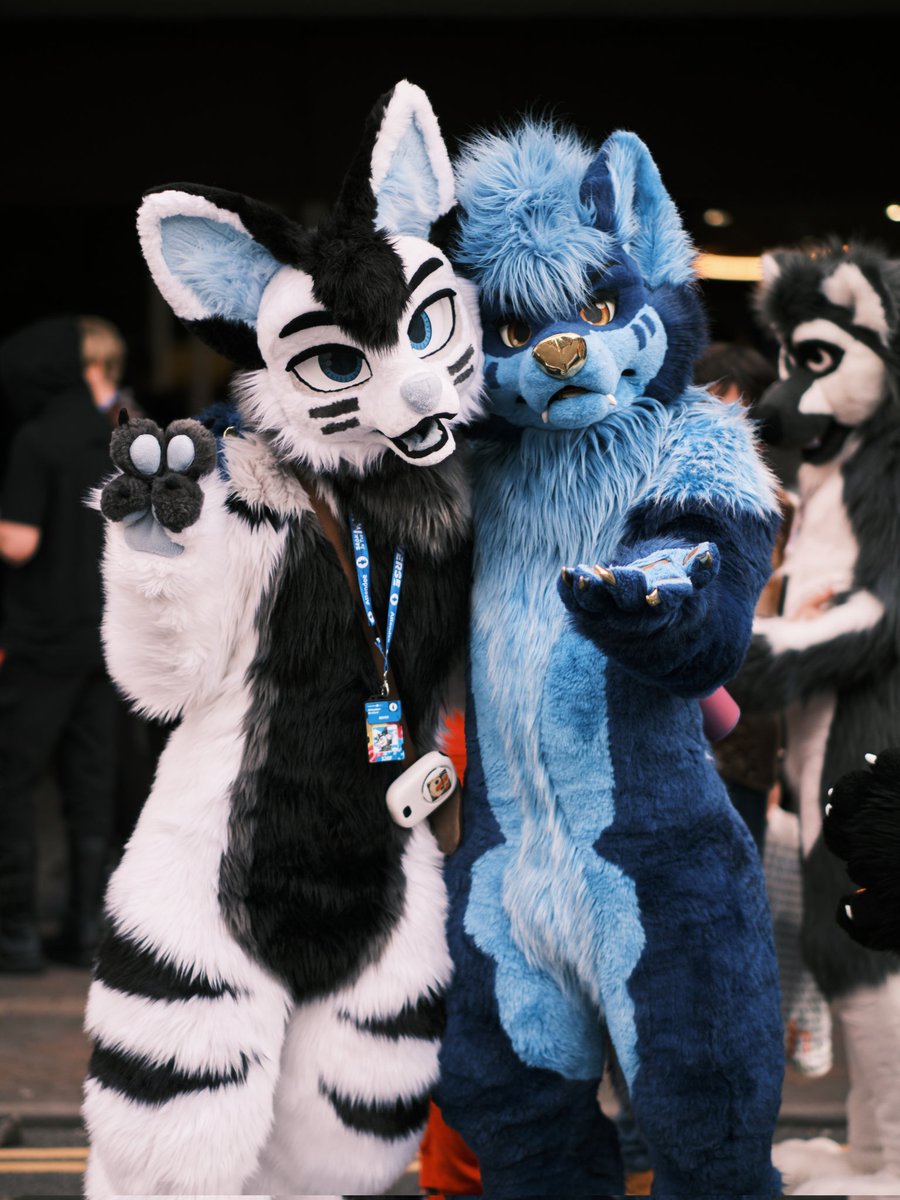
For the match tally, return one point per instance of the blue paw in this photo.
(658, 582)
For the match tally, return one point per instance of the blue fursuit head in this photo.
(606, 893)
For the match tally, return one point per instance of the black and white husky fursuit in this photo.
(831, 660)
(266, 1007)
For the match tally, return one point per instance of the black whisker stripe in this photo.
(427, 268)
(390, 1121)
(427, 1018)
(461, 378)
(337, 426)
(147, 1082)
(461, 362)
(255, 515)
(351, 404)
(125, 966)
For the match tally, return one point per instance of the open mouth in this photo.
(428, 436)
(823, 448)
(565, 393)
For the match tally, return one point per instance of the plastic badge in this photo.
(384, 731)
(421, 789)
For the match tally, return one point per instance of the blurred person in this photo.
(749, 757)
(61, 378)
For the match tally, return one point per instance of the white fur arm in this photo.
(171, 624)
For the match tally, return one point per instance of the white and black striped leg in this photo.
(179, 1093)
(358, 1067)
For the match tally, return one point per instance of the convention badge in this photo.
(384, 731)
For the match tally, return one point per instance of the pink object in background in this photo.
(720, 714)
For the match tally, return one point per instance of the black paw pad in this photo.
(177, 501)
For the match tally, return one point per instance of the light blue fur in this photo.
(646, 218)
(225, 269)
(407, 198)
(712, 458)
(528, 185)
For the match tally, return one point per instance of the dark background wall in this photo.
(774, 112)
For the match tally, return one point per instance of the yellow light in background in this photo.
(892, 212)
(737, 267)
(717, 217)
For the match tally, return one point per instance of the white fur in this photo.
(310, 1148)
(770, 269)
(171, 626)
(154, 209)
(853, 391)
(848, 287)
(408, 105)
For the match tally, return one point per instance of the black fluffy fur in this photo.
(147, 1082)
(312, 883)
(128, 967)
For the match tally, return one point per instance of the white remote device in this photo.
(421, 789)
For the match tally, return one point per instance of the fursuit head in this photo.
(831, 660)
(267, 1004)
(606, 891)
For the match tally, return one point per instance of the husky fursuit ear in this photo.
(361, 336)
(631, 203)
(834, 311)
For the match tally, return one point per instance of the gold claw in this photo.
(582, 583)
(653, 598)
(705, 559)
(567, 576)
(605, 574)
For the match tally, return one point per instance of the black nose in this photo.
(769, 426)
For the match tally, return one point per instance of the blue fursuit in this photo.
(606, 897)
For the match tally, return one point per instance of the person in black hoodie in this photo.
(60, 378)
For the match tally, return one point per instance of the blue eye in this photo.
(330, 368)
(342, 364)
(433, 323)
(419, 331)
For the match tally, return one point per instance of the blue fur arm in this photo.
(695, 639)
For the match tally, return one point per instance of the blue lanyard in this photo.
(364, 578)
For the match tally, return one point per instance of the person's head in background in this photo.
(734, 372)
(102, 358)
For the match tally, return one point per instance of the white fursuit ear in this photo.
(770, 269)
(849, 288)
(412, 179)
(202, 258)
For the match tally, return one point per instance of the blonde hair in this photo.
(102, 343)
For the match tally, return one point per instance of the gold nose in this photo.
(562, 355)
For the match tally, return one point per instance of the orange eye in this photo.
(514, 334)
(598, 311)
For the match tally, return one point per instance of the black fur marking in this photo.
(336, 409)
(461, 362)
(338, 426)
(127, 967)
(307, 321)
(391, 1122)
(312, 883)
(427, 1018)
(465, 375)
(147, 1082)
(254, 515)
(428, 267)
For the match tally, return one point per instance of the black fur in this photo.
(312, 883)
(388, 1121)
(127, 967)
(427, 1018)
(254, 515)
(150, 1083)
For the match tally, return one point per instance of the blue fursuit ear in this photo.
(202, 257)
(625, 187)
(411, 176)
